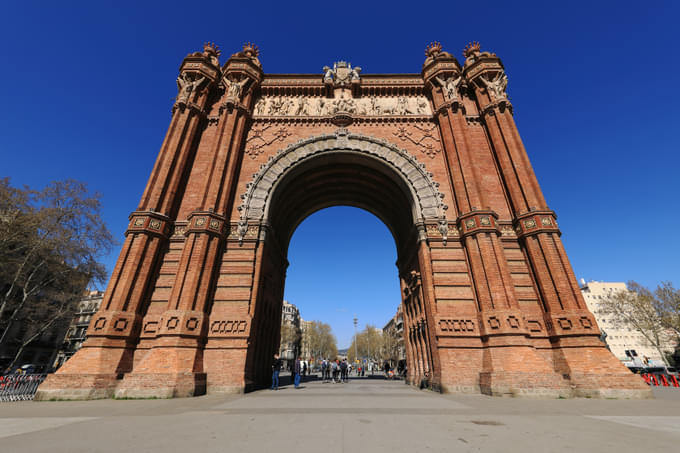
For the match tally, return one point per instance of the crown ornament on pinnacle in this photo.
(250, 50)
(211, 48)
(433, 49)
(473, 48)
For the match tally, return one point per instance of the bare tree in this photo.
(290, 336)
(369, 345)
(50, 242)
(636, 308)
(322, 342)
(667, 304)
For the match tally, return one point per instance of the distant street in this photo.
(364, 415)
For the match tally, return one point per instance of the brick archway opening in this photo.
(337, 177)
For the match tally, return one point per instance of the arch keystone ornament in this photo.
(490, 301)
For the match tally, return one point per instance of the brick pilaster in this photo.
(578, 356)
(108, 351)
(182, 334)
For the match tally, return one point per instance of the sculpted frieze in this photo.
(311, 106)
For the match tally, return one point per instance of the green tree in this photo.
(50, 243)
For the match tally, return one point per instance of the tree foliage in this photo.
(290, 335)
(368, 344)
(666, 300)
(649, 313)
(320, 340)
(50, 243)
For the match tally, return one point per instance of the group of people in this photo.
(299, 369)
(335, 371)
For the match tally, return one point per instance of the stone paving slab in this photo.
(364, 415)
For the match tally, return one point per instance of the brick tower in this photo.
(490, 301)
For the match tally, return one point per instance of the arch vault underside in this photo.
(489, 298)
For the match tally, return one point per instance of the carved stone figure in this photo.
(375, 106)
(450, 86)
(403, 107)
(234, 88)
(328, 75)
(302, 107)
(261, 106)
(320, 107)
(276, 106)
(186, 86)
(342, 73)
(422, 106)
(355, 73)
(497, 86)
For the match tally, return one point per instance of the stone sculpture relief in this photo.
(307, 106)
(234, 88)
(186, 86)
(342, 73)
(496, 87)
(450, 86)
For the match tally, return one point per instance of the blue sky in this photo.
(87, 87)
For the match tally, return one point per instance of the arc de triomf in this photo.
(490, 301)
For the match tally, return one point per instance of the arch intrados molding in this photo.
(428, 201)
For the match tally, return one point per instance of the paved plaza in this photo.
(364, 415)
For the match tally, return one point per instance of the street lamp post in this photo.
(355, 338)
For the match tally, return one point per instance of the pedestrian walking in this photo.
(298, 369)
(343, 371)
(334, 368)
(276, 369)
(324, 365)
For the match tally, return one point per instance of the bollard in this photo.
(674, 381)
(653, 378)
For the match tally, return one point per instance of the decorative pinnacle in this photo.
(433, 49)
(211, 47)
(251, 50)
(471, 49)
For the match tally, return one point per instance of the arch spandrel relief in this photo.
(428, 200)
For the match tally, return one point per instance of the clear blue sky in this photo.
(86, 92)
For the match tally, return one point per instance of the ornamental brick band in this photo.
(490, 301)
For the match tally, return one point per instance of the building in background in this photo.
(305, 344)
(77, 329)
(290, 332)
(620, 338)
(393, 335)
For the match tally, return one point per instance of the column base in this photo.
(594, 372)
(523, 384)
(92, 373)
(161, 385)
(225, 389)
(77, 387)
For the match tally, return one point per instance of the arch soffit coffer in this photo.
(428, 202)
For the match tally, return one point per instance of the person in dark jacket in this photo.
(298, 369)
(276, 369)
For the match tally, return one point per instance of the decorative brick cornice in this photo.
(491, 108)
(478, 222)
(200, 222)
(149, 222)
(455, 106)
(113, 324)
(571, 323)
(535, 222)
(242, 231)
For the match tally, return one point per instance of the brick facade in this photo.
(490, 301)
